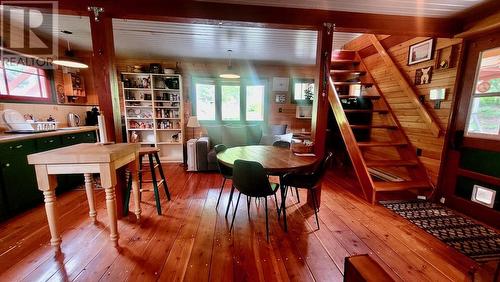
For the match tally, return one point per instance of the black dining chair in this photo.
(308, 180)
(224, 170)
(250, 179)
(282, 144)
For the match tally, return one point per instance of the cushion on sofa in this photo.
(215, 134)
(268, 139)
(276, 129)
(233, 136)
(254, 134)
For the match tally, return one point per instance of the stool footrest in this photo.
(160, 182)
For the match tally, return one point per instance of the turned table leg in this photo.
(108, 182)
(134, 169)
(89, 189)
(47, 184)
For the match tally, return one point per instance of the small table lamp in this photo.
(193, 123)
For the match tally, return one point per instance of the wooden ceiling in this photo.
(420, 8)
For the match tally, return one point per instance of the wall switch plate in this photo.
(419, 152)
(442, 200)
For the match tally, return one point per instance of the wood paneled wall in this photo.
(413, 124)
(188, 69)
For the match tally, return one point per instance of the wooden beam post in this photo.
(320, 104)
(104, 72)
(429, 119)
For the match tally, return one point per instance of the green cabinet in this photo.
(18, 177)
(18, 186)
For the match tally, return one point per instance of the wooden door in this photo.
(470, 174)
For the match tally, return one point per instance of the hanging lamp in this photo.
(229, 73)
(69, 60)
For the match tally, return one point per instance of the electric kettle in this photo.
(73, 120)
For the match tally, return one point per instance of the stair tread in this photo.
(375, 163)
(373, 126)
(365, 111)
(352, 83)
(360, 72)
(362, 96)
(399, 186)
(345, 61)
(381, 144)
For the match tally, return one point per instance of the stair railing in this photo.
(353, 150)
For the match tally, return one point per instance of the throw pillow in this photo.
(285, 137)
(268, 139)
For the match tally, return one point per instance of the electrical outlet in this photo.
(280, 110)
(421, 197)
(419, 152)
(442, 200)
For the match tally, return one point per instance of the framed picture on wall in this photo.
(280, 84)
(421, 52)
(423, 76)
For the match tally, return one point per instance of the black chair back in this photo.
(251, 179)
(322, 167)
(223, 169)
(282, 144)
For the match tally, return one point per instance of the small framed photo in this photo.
(423, 76)
(280, 98)
(421, 52)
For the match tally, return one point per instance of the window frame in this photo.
(243, 83)
(49, 87)
(476, 135)
(293, 81)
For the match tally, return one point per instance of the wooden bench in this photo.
(363, 268)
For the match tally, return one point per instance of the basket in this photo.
(39, 126)
(302, 148)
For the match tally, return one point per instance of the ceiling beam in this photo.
(264, 16)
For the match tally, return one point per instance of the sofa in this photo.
(232, 136)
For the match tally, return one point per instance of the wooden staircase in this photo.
(373, 137)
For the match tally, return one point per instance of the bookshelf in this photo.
(154, 112)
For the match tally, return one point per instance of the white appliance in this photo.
(191, 155)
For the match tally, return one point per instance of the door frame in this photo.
(455, 139)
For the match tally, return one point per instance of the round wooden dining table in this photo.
(275, 160)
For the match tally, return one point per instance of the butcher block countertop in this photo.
(10, 137)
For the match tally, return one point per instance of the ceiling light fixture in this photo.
(69, 59)
(229, 73)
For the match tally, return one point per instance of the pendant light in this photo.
(229, 73)
(69, 60)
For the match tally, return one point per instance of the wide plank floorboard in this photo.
(191, 241)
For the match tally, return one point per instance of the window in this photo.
(205, 101)
(484, 111)
(255, 103)
(303, 90)
(229, 101)
(20, 82)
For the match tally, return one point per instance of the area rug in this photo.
(468, 237)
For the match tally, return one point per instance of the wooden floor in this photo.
(191, 241)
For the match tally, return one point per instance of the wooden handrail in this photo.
(353, 150)
(430, 120)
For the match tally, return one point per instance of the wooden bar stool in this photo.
(150, 152)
